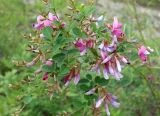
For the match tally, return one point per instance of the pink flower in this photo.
(108, 58)
(118, 64)
(111, 47)
(116, 28)
(99, 102)
(45, 76)
(113, 69)
(83, 45)
(92, 91)
(43, 22)
(49, 63)
(108, 98)
(67, 79)
(124, 60)
(143, 52)
(111, 65)
(52, 17)
(76, 78)
(107, 109)
(90, 43)
(150, 78)
(113, 101)
(72, 74)
(105, 73)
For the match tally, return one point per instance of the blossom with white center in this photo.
(143, 52)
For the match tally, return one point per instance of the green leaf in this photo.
(27, 99)
(46, 68)
(47, 31)
(59, 58)
(83, 81)
(60, 42)
(107, 36)
(86, 11)
(94, 27)
(64, 70)
(101, 81)
(71, 61)
(56, 23)
(89, 77)
(84, 87)
(94, 52)
(76, 31)
(73, 52)
(90, 97)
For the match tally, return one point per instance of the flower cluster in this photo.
(75, 74)
(44, 21)
(110, 58)
(116, 29)
(84, 44)
(143, 52)
(106, 98)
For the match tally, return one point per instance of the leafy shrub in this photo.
(77, 60)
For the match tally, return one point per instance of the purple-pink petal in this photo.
(52, 17)
(124, 60)
(110, 68)
(47, 23)
(63, 24)
(92, 91)
(99, 102)
(103, 54)
(82, 52)
(115, 104)
(116, 24)
(67, 83)
(76, 79)
(101, 46)
(45, 76)
(107, 58)
(49, 63)
(40, 19)
(110, 48)
(117, 32)
(105, 73)
(107, 109)
(118, 65)
(39, 26)
(118, 75)
(143, 52)
(90, 43)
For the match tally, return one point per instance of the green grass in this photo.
(16, 20)
(149, 3)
